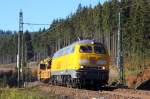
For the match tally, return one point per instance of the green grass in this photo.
(30, 93)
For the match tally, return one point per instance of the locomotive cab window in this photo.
(99, 50)
(42, 66)
(86, 49)
(49, 64)
(49, 67)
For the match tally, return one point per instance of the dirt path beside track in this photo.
(71, 93)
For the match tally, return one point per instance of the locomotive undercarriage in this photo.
(84, 79)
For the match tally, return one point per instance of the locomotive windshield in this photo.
(99, 50)
(86, 49)
(42, 66)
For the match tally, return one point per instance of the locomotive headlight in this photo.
(81, 66)
(101, 62)
(103, 67)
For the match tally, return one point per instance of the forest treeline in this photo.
(99, 23)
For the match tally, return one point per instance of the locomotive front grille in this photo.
(93, 74)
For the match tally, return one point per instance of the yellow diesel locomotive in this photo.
(82, 63)
(44, 70)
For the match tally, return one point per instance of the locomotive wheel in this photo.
(73, 83)
(69, 84)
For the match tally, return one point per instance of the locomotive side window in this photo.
(49, 67)
(49, 64)
(42, 66)
(85, 49)
(99, 50)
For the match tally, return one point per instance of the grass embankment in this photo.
(28, 93)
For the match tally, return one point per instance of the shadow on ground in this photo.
(144, 86)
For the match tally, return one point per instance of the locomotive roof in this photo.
(86, 42)
(67, 49)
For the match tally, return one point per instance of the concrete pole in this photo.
(120, 52)
(19, 55)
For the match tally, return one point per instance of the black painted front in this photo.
(93, 74)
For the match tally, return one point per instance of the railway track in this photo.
(105, 93)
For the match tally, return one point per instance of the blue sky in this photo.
(37, 11)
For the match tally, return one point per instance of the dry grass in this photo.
(29, 93)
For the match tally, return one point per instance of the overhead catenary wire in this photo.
(35, 24)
